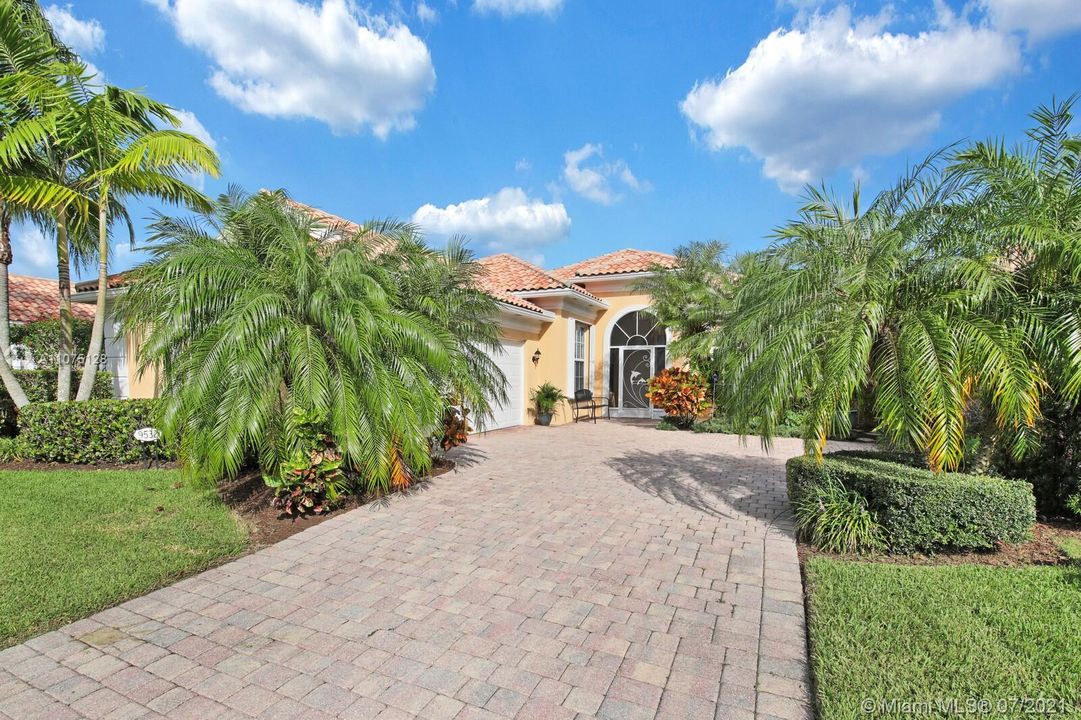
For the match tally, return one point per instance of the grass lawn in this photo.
(885, 631)
(72, 543)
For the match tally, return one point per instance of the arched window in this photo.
(638, 328)
(637, 353)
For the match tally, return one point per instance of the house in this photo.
(31, 299)
(583, 326)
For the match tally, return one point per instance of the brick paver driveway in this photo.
(606, 570)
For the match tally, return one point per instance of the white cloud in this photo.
(33, 253)
(426, 13)
(523, 165)
(507, 220)
(824, 95)
(191, 125)
(331, 61)
(1040, 19)
(595, 182)
(82, 36)
(507, 8)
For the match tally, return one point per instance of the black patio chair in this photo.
(586, 407)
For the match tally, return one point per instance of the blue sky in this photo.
(561, 129)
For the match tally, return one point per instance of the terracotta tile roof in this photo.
(112, 281)
(513, 274)
(510, 274)
(615, 263)
(34, 298)
(506, 297)
(325, 218)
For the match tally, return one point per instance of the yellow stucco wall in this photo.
(555, 342)
(144, 385)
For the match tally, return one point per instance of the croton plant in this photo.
(680, 393)
(310, 481)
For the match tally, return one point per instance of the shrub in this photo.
(11, 449)
(40, 386)
(95, 431)
(838, 520)
(310, 480)
(456, 427)
(1073, 504)
(1053, 468)
(918, 510)
(680, 393)
(668, 424)
(724, 425)
(42, 339)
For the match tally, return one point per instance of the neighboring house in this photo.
(583, 326)
(31, 299)
(121, 352)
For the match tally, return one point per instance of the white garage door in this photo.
(510, 360)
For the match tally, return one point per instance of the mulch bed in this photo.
(1041, 550)
(250, 498)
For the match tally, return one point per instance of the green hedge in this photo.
(95, 431)
(40, 386)
(920, 511)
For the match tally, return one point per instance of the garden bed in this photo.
(250, 498)
(1045, 548)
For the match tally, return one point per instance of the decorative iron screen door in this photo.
(635, 370)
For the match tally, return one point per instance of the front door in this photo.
(638, 345)
(635, 369)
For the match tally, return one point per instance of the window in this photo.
(581, 355)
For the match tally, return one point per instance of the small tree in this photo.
(255, 311)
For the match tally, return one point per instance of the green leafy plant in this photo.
(11, 449)
(546, 398)
(918, 510)
(40, 386)
(1071, 548)
(310, 480)
(692, 299)
(40, 340)
(456, 427)
(1073, 504)
(93, 431)
(725, 425)
(669, 424)
(835, 519)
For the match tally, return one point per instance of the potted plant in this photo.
(545, 398)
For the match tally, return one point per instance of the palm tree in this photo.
(43, 165)
(885, 301)
(693, 298)
(442, 286)
(130, 156)
(26, 44)
(251, 314)
(1025, 205)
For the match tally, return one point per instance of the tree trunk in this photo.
(5, 262)
(97, 334)
(63, 271)
(11, 384)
